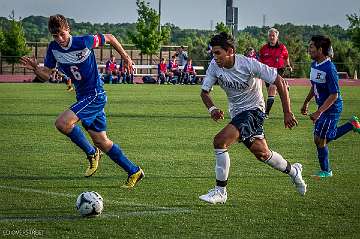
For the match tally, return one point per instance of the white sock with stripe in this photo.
(222, 168)
(278, 162)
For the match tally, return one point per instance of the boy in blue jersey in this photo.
(325, 88)
(75, 57)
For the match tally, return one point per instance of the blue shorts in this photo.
(250, 124)
(90, 111)
(326, 126)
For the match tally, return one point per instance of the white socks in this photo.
(278, 162)
(222, 166)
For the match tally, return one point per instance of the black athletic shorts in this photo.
(250, 125)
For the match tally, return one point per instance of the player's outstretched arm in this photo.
(128, 63)
(289, 118)
(31, 63)
(215, 113)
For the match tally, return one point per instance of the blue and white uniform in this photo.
(78, 62)
(325, 81)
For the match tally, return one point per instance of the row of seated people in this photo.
(172, 74)
(167, 73)
(117, 75)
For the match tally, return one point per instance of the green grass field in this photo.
(167, 130)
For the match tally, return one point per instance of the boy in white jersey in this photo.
(236, 75)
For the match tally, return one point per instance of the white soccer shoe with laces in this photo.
(214, 196)
(298, 180)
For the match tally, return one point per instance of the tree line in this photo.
(147, 37)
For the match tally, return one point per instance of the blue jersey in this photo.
(78, 62)
(325, 81)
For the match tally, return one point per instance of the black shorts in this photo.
(280, 72)
(250, 124)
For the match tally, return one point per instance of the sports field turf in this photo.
(167, 130)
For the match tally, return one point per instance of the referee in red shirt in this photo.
(274, 54)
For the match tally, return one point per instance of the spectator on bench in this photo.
(189, 73)
(112, 70)
(162, 71)
(128, 77)
(174, 71)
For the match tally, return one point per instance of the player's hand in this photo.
(29, 62)
(128, 63)
(290, 120)
(305, 109)
(315, 116)
(217, 114)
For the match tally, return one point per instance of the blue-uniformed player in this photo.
(325, 88)
(75, 57)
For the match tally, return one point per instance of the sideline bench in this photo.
(102, 67)
(149, 68)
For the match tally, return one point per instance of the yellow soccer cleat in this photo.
(133, 179)
(94, 163)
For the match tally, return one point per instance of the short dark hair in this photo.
(56, 23)
(322, 42)
(224, 40)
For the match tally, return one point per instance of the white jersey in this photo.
(241, 83)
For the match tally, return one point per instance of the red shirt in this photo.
(110, 65)
(173, 65)
(189, 68)
(162, 67)
(274, 56)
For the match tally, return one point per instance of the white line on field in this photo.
(155, 210)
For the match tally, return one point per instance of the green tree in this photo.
(2, 40)
(221, 27)
(354, 28)
(147, 38)
(15, 42)
(346, 57)
(198, 51)
(299, 58)
(245, 40)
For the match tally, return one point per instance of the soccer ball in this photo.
(89, 204)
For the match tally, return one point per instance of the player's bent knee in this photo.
(219, 142)
(62, 126)
(261, 155)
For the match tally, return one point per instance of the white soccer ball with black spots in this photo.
(89, 204)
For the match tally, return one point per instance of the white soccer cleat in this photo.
(298, 180)
(214, 196)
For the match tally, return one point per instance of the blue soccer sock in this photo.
(79, 138)
(119, 157)
(323, 156)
